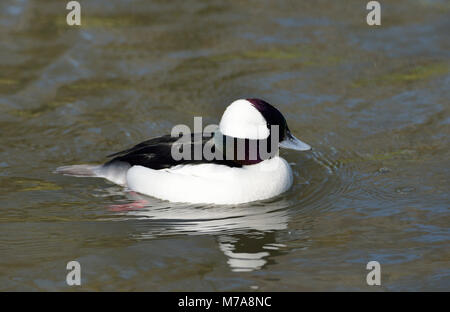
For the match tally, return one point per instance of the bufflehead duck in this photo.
(150, 168)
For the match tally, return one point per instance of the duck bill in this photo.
(291, 142)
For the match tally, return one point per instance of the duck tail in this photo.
(79, 170)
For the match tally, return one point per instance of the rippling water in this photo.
(372, 101)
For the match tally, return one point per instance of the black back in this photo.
(156, 153)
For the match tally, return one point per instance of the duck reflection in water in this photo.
(246, 234)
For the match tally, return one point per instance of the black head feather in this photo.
(272, 116)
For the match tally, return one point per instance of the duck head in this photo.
(253, 119)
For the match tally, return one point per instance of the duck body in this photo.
(213, 183)
(149, 167)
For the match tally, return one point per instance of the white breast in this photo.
(211, 183)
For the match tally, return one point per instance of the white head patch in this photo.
(242, 120)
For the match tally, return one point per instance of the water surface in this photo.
(372, 101)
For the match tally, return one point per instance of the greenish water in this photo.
(372, 101)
